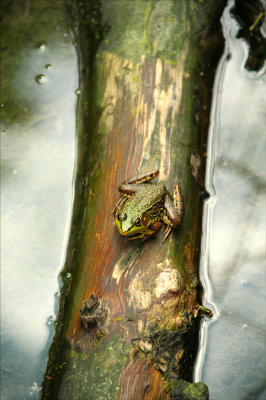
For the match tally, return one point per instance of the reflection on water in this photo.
(232, 357)
(38, 148)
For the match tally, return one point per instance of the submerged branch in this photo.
(129, 316)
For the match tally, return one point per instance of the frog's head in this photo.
(132, 225)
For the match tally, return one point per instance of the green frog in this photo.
(144, 206)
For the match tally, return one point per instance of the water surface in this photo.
(232, 357)
(38, 150)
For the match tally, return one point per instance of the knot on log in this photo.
(93, 312)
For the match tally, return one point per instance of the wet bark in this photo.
(144, 105)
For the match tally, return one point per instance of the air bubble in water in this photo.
(41, 45)
(41, 78)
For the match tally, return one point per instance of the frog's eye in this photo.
(137, 222)
(145, 219)
(121, 216)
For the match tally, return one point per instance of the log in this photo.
(128, 322)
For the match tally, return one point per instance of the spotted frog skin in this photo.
(143, 207)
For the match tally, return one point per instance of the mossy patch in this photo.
(95, 375)
(128, 19)
(182, 390)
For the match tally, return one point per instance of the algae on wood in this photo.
(144, 106)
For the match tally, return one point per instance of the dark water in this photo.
(232, 357)
(38, 149)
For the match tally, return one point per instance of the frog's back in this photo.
(145, 198)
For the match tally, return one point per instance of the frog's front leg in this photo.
(132, 185)
(154, 229)
(149, 232)
(174, 210)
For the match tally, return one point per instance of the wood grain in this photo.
(145, 108)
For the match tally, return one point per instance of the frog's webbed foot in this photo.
(167, 233)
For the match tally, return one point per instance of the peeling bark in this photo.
(144, 106)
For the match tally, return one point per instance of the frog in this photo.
(144, 207)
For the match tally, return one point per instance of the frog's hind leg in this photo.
(142, 178)
(128, 189)
(179, 203)
(131, 185)
(174, 210)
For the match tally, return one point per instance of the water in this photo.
(38, 150)
(232, 357)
